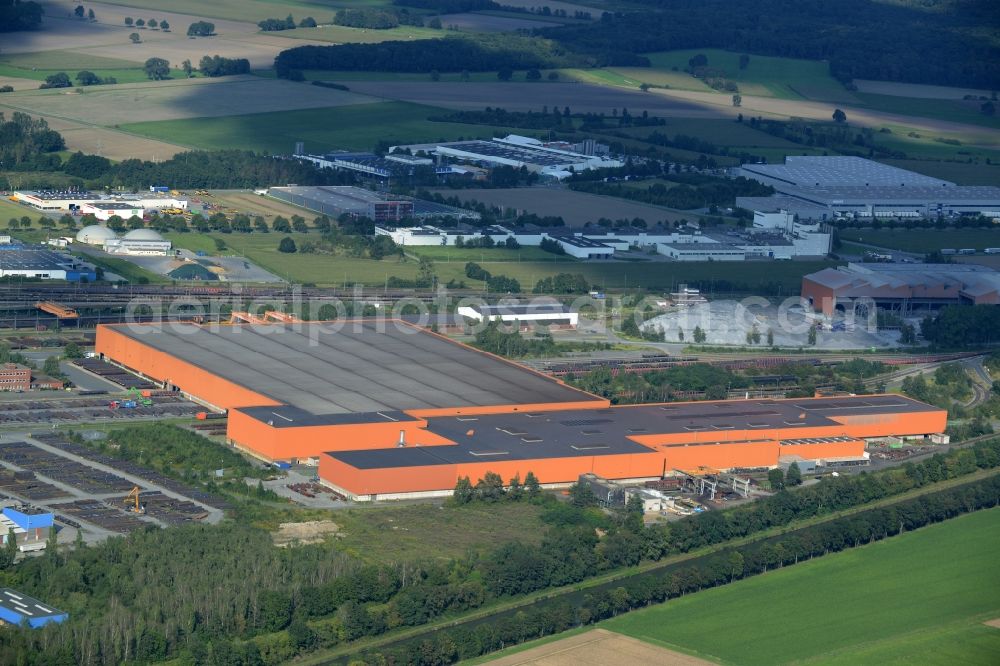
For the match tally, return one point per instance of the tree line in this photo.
(453, 53)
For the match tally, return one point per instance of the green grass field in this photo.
(924, 240)
(341, 270)
(493, 254)
(958, 111)
(337, 34)
(785, 78)
(39, 66)
(918, 598)
(427, 532)
(357, 127)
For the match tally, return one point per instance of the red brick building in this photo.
(14, 377)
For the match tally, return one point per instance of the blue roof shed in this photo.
(22, 610)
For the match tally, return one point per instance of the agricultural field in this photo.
(357, 127)
(919, 90)
(531, 96)
(941, 109)
(476, 22)
(905, 600)
(785, 78)
(924, 240)
(338, 34)
(589, 647)
(111, 106)
(576, 208)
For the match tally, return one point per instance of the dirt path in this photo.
(598, 647)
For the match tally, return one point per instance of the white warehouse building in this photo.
(516, 151)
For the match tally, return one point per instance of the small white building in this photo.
(105, 211)
(550, 313)
(702, 251)
(583, 247)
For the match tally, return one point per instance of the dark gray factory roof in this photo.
(352, 366)
(22, 257)
(288, 416)
(827, 170)
(590, 432)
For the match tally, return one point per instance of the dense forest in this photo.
(958, 326)
(18, 15)
(225, 595)
(454, 53)
(859, 38)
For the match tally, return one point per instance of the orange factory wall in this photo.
(161, 366)
(822, 297)
(444, 477)
(883, 425)
(720, 456)
(310, 441)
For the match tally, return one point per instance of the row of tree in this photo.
(152, 24)
(494, 283)
(454, 53)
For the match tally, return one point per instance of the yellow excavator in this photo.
(132, 500)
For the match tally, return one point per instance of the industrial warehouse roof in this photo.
(902, 195)
(353, 367)
(608, 431)
(835, 170)
(902, 280)
(24, 258)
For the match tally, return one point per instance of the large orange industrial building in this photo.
(391, 410)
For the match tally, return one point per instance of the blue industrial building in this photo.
(29, 519)
(22, 610)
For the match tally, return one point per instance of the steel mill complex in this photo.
(390, 410)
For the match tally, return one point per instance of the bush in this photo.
(287, 245)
